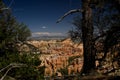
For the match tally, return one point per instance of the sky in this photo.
(41, 15)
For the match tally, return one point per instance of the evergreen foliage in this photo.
(12, 33)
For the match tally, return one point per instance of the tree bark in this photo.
(87, 35)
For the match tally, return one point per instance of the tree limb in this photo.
(6, 73)
(4, 9)
(7, 8)
(5, 68)
(12, 65)
(69, 12)
(102, 35)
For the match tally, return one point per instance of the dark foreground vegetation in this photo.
(13, 65)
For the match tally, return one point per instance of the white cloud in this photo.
(37, 34)
(43, 27)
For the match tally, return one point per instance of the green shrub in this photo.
(28, 72)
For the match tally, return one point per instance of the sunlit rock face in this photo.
(109, 63)
(55, 56)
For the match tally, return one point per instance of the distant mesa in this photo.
(47, 36)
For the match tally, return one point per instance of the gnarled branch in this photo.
(4, 9)
(7, 8)
(69, 12)
(10, 66)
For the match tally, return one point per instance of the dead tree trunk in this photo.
(87, 35)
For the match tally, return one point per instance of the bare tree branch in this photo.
(69, 12)
(5, 68)
(4, 9)
(12, 65)
(7, 8)
(11, 3)
(102, 35)
(6, 73)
